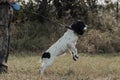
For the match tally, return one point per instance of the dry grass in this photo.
(88, 67)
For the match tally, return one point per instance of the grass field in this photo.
(88, 67)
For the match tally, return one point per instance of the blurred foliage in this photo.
(40, 23)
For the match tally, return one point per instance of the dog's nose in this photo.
(85, 28)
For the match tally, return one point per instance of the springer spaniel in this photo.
(66, 43)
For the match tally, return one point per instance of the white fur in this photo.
(66, 43)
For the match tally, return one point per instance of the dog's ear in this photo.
(78, 27)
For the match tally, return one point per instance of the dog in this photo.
(66, 43)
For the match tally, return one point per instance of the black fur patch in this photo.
(46, 55)
(74, 59)
(78, 27)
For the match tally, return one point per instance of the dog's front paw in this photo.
(75, 57)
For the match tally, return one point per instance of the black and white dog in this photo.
(66, 43)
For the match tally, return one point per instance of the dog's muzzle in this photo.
(85, 28)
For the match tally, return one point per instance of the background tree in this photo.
(38, 23)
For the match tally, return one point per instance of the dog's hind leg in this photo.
(45, 64)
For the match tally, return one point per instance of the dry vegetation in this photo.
(103, 35)
(88, 67)
(28, 34)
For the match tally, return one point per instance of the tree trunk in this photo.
(43, 10)
(117, 10)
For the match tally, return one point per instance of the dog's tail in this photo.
(40, 61)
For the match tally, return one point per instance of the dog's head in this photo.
(78, 27)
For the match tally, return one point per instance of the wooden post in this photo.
(5, 18)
